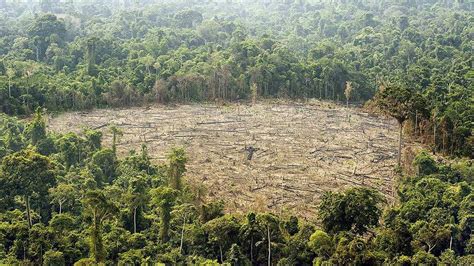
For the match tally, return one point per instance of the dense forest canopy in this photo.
(77, 55)
(66, 198)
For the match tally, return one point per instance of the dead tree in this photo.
(250, 151)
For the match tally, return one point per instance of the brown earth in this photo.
(302, 149)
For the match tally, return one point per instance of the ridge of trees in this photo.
(78, 55)
(65, 200)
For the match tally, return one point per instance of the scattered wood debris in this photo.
(303, 149)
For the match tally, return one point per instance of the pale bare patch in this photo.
(302, 150)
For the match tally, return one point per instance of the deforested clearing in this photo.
(278, 156)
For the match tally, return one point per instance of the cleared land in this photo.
(302, 150)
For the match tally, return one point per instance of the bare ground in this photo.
(303, 149)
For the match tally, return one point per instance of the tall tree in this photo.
(116, 133)
(177, 167)
(45, 30)
(395, 100)
(99, 208)
(30, 175)
(36, 130)
(136, 196)
(164, 198)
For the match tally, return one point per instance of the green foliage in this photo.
(321, 244)
(424, 258)
(65, 199)
(164, 198)
(196, 51)
(129, 215)
(103, 166)
(36, 130)
(177, 167)
(45, 31)
(425, 164)
(53, 258)
(221, 233)
(100, 209)
(357, 209)
(212, 210)
(448, 257)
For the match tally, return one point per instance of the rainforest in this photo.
(236, 132)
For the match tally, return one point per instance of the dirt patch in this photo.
(300, 150)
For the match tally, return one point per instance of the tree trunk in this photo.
(220, 250)
(114, 139)
(320, 91)
(182, 235)
(326, 91)
(400, 139)
(28, 214)
(251, 250)
(269, 246)
(135, 220)
(60, 207)
(434, 136)
(416, 122)
(9, 87)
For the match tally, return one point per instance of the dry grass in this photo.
(303, 149)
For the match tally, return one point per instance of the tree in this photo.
(70, 150)
(136, 197)
(188, 18)
(254, 93)
(61, 223)
(212, 210)
(36, 130)
(184, 214)
(100, 209)
(429, 235)
(61, 194)
(395, 100)
(45, 30)
(250, 233)
(164, 198)
(116, 132)
(30, 175)
(177, 167)
(348, 92)
(53, 258)
(297, 248)
(235, 256)
(222, 232)
(321, 243)
(94, 139)
(91, 47)
(103, 165)
(357, 209)
(10, 74)
(271, 234)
